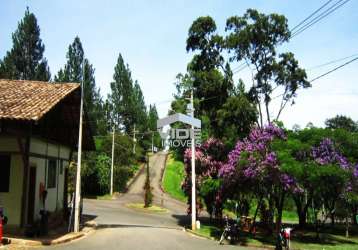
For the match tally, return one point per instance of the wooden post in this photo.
(24, 150)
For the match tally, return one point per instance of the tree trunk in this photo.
(347, 226)
(260, 114)
(302, 208)
(354, 214)
(267, 112)
(255, 215)
(332, 219)
(279, 207)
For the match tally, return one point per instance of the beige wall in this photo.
(12, 201)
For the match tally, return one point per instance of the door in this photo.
(31, 196)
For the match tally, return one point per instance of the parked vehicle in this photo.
(231, 231)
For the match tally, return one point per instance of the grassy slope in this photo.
(329, 240)
(172, 179)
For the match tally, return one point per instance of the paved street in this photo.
(124, 228)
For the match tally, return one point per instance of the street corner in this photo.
(19, 243)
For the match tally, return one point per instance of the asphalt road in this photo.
(123, 228)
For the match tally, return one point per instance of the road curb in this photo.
(88, 229)
(198, 235)
(189, 231)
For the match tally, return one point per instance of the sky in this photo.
(151, 37)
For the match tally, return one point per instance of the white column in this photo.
(111, 188)
(193, 189)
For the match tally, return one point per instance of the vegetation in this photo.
(25, 60)
(173, 178)
(141, 207)
(122, 110)
(300, 240)
(265, 170)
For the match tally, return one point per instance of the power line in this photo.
(238, 67)
(332, 62)
(320, 76)
(316, 11)
(327, 12)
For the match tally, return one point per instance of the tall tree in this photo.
(211, 80)
(343, 122)
(152, 124)
(121, 97)
(140, 109)
(77, 68)
(236, 117)
(25, 60)
(253, 38)
(127, 100)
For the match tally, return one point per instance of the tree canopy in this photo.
(25, 60)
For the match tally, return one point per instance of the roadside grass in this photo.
(173, 177)
(301, 240)
(140, 207)
(104, 197)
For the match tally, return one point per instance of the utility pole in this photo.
(134, 140)
(111, 189)
(193, 189)
(79, 155)
(152, 142)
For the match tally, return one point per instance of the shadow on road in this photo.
(104, 226)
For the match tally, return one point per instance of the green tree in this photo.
(77, 68)
(343, 122)
(25, 60)
(253, 38)
(152, 125)
(126, 100)
(121, 96)
(236, 117)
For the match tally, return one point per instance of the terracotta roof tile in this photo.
(30, 100)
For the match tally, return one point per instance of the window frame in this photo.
(6, 189)
(51, 176)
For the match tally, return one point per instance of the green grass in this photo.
(173, 177)
(302, 240)
(104, 197)
(140, 207)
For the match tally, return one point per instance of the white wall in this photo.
(54, 199)
(11, 201)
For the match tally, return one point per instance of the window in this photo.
(5, 161)
(51, 173)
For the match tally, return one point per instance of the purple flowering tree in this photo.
(254, 167)
(209, 159)
(331, 182)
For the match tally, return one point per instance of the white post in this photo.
(193, 189)
(152, 142)
(134, 140)
(78, 173)
(111, 189)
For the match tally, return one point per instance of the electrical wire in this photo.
(316, 11)
(315, 20)
(332, 62)
(328, 72)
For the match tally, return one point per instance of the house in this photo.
(39, 124)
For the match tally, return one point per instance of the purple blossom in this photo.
(252, 160)
(355, 171)
(326, 153)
